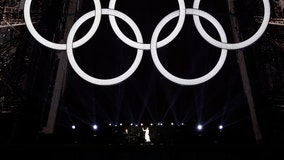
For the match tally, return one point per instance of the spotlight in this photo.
(221, 127)
(136, 125)
(73, 127)
(151, 124)
(109, 124)
(160, 124)
(199, 127)
(141, 124)
(182, 124)
(172, 123)
(95, 127)
(120, 124)
(131, 124)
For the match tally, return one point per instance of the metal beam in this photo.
(61, 72)
(243, 71)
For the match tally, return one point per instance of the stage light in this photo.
(109, 124)
(182, 124)
(131, 124)
(199, 127)
(73, 127)
(160, 124)
(172, 123)
(136, 125)
(95, 127)
(120, 124)
(151, 124)
(221, 127)
(141, 124)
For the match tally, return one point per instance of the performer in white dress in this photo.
(147, 136)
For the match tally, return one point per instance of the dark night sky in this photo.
(147, 96)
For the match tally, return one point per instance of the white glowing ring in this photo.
(178, 80)
(162, 43)
(233, 46)
(87, 77)
(57, 46)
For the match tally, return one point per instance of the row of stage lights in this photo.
(199, 127)
(141, 124)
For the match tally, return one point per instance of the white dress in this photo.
(147, 137)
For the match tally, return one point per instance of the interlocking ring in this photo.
(84, 75)
(194, 81)
(162, 43)
(153, 45)
(233, 46)
(57, 46)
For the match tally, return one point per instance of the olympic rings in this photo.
(140, 46)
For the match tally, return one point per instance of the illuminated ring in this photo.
(87, 77)
(178, 80)
(57, 46)
(147, 46)
(233, 46)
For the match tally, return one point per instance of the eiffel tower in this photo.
(11, 26)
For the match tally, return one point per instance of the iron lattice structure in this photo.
(12, 26)
(269, 56)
